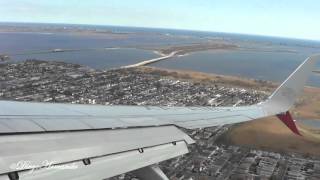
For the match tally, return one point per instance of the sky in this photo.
(284, 18)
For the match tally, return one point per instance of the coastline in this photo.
(255, 134)
(182, 50)
(302, 110)
(267, 133)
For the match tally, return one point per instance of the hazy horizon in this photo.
(289, 19)
(161, 28)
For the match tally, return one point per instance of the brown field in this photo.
(269, 133)
(211, 78)
(272, 134)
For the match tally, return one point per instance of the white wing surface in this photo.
(104, 141)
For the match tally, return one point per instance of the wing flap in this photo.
(111, 165)
(67, 147)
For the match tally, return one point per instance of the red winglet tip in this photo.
(289, 122)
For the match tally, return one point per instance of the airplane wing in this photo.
(45, 140)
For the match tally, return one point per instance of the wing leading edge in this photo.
(46, 117)
(98, 138)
